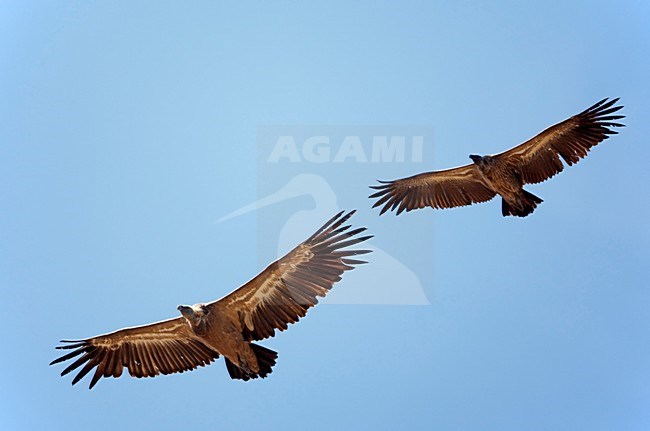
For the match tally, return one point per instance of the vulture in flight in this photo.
(504, 174)
(278, 296)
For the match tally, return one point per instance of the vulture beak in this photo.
(475, 158)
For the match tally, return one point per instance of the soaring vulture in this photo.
(504, 174)
(278, 296)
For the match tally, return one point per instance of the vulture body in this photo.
(504, 174)
(278, 296)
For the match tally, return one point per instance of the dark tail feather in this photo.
(528, 203)
(265, 359)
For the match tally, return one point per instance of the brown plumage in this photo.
(534, 161)
(280, 295)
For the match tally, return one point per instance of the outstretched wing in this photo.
(441, 189)
(287, 288)
(165, 347)
(538, 159)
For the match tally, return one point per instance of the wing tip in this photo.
(72, 344)
(334, 236)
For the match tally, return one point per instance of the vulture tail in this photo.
(265, 360)
(527, 202)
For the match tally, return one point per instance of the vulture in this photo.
(504, 174)
(278, 296)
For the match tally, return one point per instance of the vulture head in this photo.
(481, 160)
(192, 314)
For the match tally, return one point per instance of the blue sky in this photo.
(129, 128)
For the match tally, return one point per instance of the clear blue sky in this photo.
(129, 128)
